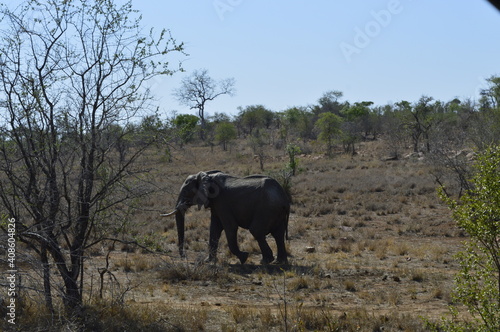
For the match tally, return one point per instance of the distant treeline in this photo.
(426, 125)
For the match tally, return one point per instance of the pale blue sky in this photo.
(288, 53)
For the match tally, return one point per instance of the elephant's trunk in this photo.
(179, 220)
(180, 211)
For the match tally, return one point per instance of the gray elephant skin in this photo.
(257, 203)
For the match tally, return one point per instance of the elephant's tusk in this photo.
(168, 214)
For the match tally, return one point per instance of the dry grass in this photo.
(198, 271)
(382, 255)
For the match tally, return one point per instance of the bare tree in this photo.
(69, 72)
(198, 88)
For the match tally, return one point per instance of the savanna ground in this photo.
(371, 248)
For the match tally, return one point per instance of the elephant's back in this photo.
(275, 193)
(272, 191)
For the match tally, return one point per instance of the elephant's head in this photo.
(195, 190)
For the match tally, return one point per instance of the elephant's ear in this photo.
(203, 185)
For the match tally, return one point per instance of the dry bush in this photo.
(358, 320)
(298, 283)
(401, 248)
(418, 275)
(106, 316)
(135, 262)
(343, 244)
(175, 272)
(349, 285)
(240, 314)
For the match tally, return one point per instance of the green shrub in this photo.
(478, 213)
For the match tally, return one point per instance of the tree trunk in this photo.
(46, 280)
(72, 296)
(201, 113)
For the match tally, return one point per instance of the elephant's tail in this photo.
(286, 225)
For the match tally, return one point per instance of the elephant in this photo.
(257, 203)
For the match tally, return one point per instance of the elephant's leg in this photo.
(267, 253)
(260, 236)
(213, 243)
(232, 241)
(279, 236)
